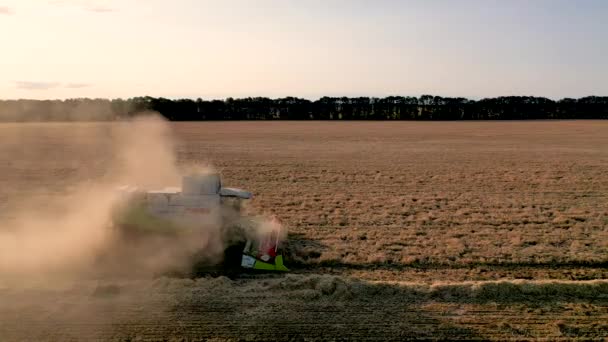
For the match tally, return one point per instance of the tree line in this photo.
(425, 107)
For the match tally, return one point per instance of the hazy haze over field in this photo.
(191, 48)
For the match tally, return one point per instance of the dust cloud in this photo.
(64, 231)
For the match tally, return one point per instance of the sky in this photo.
(306, 48)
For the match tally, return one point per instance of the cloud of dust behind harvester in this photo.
(65, 234)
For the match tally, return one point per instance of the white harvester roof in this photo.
(196, 185)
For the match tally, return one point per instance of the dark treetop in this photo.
(425, 107)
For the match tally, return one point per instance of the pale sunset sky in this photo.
(305, 48)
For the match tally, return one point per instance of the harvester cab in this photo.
(203, 203)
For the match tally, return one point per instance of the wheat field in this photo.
(397, 230)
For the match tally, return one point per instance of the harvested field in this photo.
(475, 230)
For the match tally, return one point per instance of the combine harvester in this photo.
(202, 207)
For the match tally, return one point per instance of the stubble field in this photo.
(476, 230)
